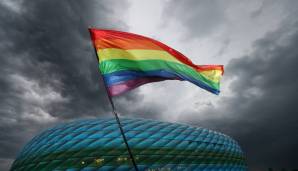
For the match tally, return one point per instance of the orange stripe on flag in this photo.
(125, 43)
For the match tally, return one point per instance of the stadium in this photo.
(97, 144)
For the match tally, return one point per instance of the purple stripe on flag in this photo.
(117, 89)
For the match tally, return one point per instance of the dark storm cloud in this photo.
(262, 113)
(48, 66)
(197, 16)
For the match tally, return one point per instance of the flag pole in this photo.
(116, 115)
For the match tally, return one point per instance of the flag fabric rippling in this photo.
(128, 60)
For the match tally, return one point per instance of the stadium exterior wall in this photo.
(97, 144)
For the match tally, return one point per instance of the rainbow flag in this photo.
(128, 60)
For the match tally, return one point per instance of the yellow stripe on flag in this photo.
(213, 75)
(135, 54)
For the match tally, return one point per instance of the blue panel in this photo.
(92, 145)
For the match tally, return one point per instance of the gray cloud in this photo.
(198, 17)
(262, 112)
(49, 75)
(5, 163)
(48, 67)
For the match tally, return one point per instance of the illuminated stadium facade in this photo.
(97, 144)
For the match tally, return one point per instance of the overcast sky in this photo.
(49, 70)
